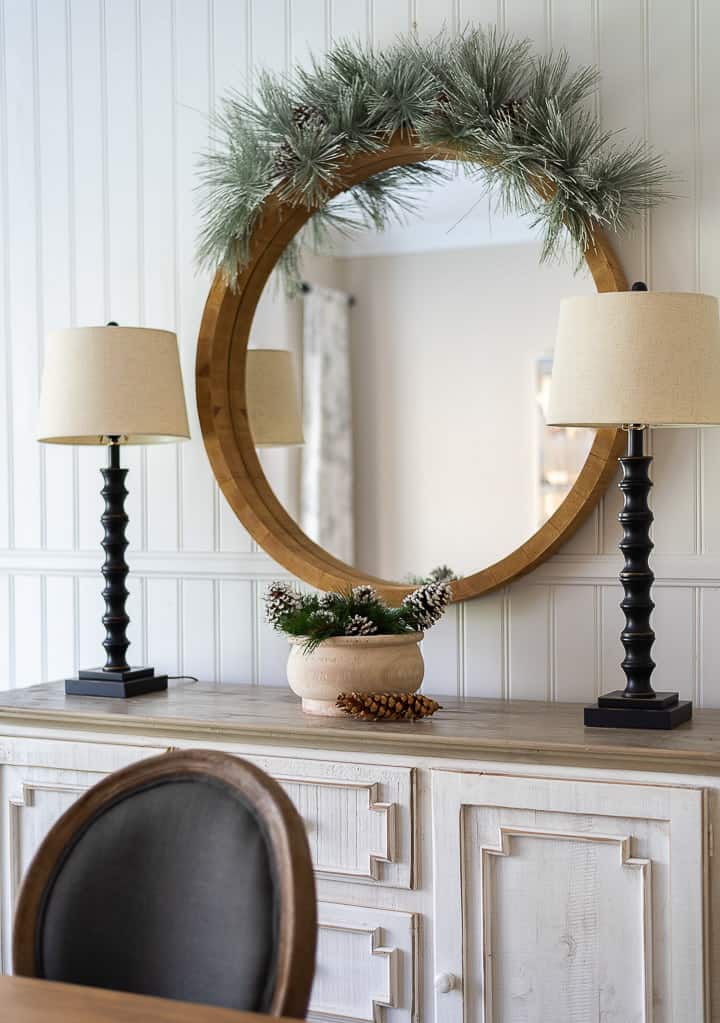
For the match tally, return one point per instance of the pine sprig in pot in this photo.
(356, 612)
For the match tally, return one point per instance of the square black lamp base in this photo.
(121, 684)
(661, 711)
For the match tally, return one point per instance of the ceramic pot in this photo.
(362, 664)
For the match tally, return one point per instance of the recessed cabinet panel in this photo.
(567, 900)
(365, 965)
(359, 817)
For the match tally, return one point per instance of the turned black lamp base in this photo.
(122, 684)
(638, 705)
(661, 711)
(117, 678)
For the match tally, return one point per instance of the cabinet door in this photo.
(567, 901)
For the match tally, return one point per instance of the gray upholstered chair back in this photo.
(184, 877)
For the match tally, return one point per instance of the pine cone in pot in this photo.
(426, 605)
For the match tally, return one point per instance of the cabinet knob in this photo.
(445, 982)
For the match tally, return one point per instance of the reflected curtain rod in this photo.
(307, 288)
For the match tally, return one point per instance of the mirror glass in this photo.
(422, 358)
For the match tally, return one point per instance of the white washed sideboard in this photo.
(497, 863)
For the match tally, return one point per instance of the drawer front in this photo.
(366, 965)
(359, 817)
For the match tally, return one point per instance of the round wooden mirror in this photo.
(223, 409)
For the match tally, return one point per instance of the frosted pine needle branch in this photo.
(482, 96)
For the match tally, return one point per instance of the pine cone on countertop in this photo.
(387, 706)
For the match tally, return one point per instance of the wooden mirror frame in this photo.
(222, 408)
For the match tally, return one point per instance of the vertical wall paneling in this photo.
(104, 107)
(432, 16)
(55, 301)
(23, 269)
(7, 633)
(235, 631)
(193, 65)
(90, 248)
(271, 34)
(529, 642)
(529, 19)
(89, 630)
(272, 647)
(480, 12)
(308, 30)
(157, 238)
(675, 495)
(198, 628)
(28, 621)
(387, 20)
(7, 472)
(574, 637)
(348, 21)
(623, 101)
(231, 22)
(123, 211)
(484, 653)
(675, 646)
(441, 652)
(162, 625)
(709, 652)
(60, 626)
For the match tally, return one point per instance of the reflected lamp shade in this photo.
(274, 411)
(637, 357)
(101, 382)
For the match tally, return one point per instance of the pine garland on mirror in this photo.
(517, 120)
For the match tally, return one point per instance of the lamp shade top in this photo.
(101, 382)
(272, 398)
(637, 357)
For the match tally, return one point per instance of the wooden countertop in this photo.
(477, 729)
(28, 1000)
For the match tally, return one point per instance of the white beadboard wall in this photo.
(103, 107)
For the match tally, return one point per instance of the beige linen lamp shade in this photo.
(101, 382)
(272, 398)
(637, 357)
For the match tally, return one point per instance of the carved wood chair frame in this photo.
(297, 919)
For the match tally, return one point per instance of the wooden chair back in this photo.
(186, 875)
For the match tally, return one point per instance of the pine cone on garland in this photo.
(285, 160)
(364, 594)
(305, 116)
(280, 600)
(513, 110)
(359, 625)
(387, 706)
(427, 604)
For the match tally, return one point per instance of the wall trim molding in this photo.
(563, 569)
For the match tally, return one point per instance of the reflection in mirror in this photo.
(423, 356)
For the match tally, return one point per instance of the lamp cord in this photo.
(190, 678)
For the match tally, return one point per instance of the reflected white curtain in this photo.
(326, 494)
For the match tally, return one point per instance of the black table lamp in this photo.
(637, 359)
(111, 386)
